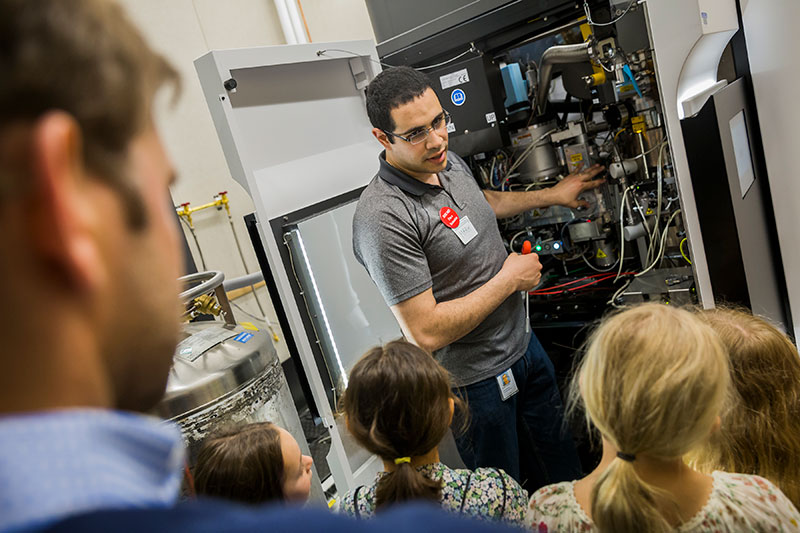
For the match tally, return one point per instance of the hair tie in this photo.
(401, 460)
(626, 456)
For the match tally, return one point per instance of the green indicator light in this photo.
(538, 247)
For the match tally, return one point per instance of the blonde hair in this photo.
(653, 381)
(760, 432)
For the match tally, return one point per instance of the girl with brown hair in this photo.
(399, 405)
(760, 432)
(653, 383)
(255, 463)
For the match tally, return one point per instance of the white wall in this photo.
(183, 30)
(772, 42)
(337, 20)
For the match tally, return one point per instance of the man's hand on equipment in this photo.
(566, 192)
(523, 270)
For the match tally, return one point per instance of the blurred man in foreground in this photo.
(89, 267)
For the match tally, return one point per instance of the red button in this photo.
(449, 217)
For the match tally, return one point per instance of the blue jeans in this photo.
(524, 435)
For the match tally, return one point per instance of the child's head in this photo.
(399, 404)
(759, 433)
(653, 382)
(255, 463)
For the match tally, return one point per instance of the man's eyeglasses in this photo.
(441, 121)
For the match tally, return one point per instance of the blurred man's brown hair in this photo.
(104, 75)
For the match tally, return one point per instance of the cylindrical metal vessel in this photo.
(542, 161)
(223, 375)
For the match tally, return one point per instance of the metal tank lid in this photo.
(212, 361)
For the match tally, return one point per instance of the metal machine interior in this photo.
(592, 103)
(571, 97)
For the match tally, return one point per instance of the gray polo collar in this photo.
(402, 180)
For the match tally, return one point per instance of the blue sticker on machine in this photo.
(458, 97)
(243, 337)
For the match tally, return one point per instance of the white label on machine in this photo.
(491, 117)
(196, 345)
(454, 78)
(451, 128)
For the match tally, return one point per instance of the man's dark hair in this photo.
(390, 89)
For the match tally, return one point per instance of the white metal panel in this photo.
(773, 40)
(676, 28)
(295, 133)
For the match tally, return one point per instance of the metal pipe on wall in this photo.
(286, 21)
(297, 21)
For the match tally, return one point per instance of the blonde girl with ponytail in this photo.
(653, 383)
(399, 406)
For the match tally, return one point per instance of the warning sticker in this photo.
(601, 254)
(455, 78)
(576, 158)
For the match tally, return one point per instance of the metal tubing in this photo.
(556, 55)
(243, 281)
(241, 254)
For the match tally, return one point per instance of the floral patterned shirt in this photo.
(488, 493)
(738, 503)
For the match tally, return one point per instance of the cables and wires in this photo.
(593, 23)
(609, 269)
(325, 51)
(622, 230)
(659, 186)
(571, 286)
(613, 300)
(524, 155)
(650, 151)
(646, 224)
(661, 247)
(459, 56)
(684, 254)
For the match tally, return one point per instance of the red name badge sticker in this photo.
(449, 217)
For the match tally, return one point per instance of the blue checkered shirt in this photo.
(58, 463)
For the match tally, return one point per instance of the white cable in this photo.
(616, 294)
(609, 269)
(622, 231)
(593, 23)
(646, 227)
(526, 230)
(459, 56)
(650, 151)
(659, 186)
(524, 155)
(661, 248)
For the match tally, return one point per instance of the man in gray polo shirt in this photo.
(428, 236)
